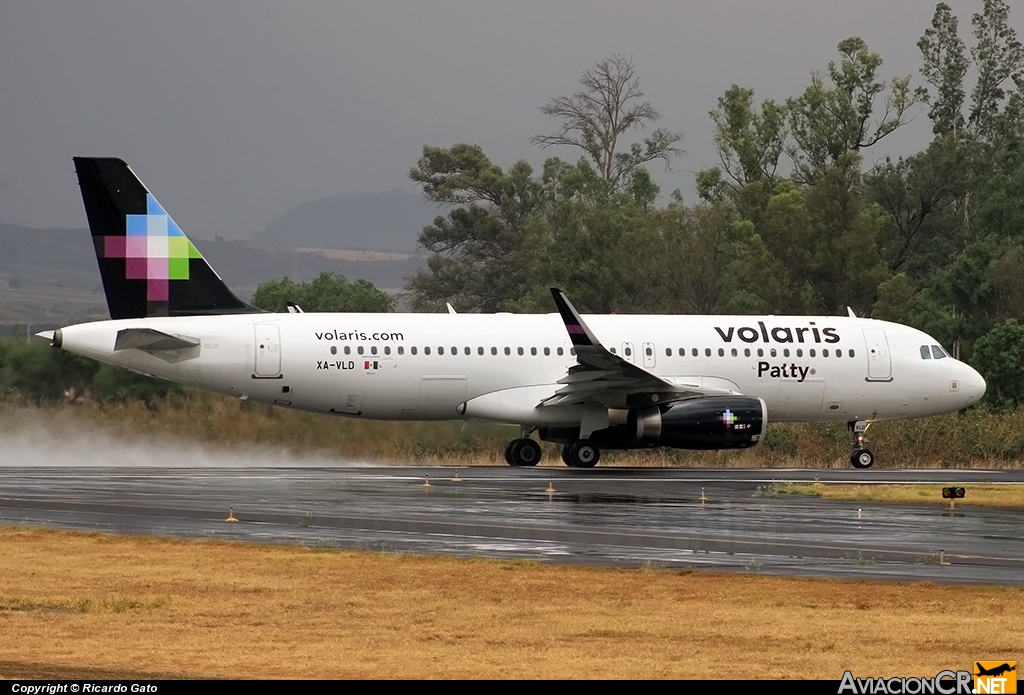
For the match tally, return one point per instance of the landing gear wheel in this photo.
(582, 454)
(862, 458)
(508, 452)
(523, 452)
(565, 455)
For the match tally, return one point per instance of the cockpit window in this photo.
(925, 354)
(937, 352)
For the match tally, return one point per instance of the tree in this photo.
(945, 64)
(999, 356)
(999, 57)
(597, 118)
(918, 194)
(828, 121)
(485, 252)
(328, 292)
(749, 141)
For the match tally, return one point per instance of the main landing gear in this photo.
(861, 457)
(522, 452)
(580, 453)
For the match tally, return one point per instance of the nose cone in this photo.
(972, 385)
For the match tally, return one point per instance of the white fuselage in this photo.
(426, 366)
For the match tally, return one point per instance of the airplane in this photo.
(587, 382)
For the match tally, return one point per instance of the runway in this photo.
(616, 517)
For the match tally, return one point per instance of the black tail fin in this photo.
(148, 266)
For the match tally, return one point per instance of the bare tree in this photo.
(596, 118)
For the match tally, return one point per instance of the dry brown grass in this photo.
(1009, 495)
(108, 606)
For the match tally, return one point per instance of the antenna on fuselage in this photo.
(850, 312)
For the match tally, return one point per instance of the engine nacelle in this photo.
(712, 422)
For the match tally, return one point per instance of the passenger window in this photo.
(559, 351)
(373, 350)
(925, 353)
(348, 350)
(668, 352)
(760, 352)
(572, 351)
(628, 352)
(785, 352)
(824, 352)
(937, 352)
(735, 353)
(334, 350)
(533, 351)
(455, 351)
(773, 353)
(520, 351)
(359, 349)
(387, 350)
(721, 352)
(479, 351)
(440, 350)
(746, 352)
(695, 353)
(467, 350)
(426, 351)
(494, 351)
(799, 352)
(508, 351)
(648, 351)
(851, 353)
(413, 349)
(613, 351)
(401, 350)
(547, 352)
(812, 352)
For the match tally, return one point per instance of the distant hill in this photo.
(389, 221)
(51, 274)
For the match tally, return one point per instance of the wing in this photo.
(606, 378)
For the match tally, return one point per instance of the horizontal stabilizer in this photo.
(149, 339)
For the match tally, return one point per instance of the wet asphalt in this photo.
(715, 519)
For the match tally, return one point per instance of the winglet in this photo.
(451, 309)
(578, 331)
(850, 312)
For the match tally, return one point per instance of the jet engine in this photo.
(711, 422)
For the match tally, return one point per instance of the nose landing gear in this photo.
(861, 456)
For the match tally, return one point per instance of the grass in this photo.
(979, 438)
(1010, 496)
(104, 606)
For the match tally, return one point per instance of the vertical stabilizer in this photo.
(149, 267)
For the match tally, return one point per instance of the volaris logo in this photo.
(154, 249)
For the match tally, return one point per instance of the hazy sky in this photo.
(232, 111)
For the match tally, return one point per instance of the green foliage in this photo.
(835, 116)
(328, 292)
(37, 373)
(999, 356)
(945, 63)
